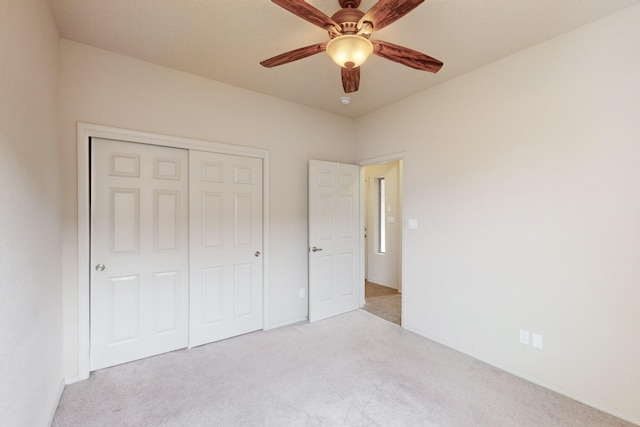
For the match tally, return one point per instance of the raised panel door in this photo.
(139, 251)
(334, 239)
(225, 246)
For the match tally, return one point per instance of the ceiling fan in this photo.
(349, 30)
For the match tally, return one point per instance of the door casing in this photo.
(86, 131)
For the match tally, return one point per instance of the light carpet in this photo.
(350, 370)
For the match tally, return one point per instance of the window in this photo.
(382, 203)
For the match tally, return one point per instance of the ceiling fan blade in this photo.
(405, 56)
(307, 12)
(294, 55)
(386, 12)
(350, 79)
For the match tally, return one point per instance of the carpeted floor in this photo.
(350, 370)
(383, 302)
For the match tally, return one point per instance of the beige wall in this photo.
(30, 278)
(108, 89)
(523, 176)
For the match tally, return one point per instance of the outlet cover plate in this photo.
(537, 341)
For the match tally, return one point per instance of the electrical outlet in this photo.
(536, 341)
(302, 292)
(524, 337)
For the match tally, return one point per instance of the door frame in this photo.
(86, 131)
(363, 212)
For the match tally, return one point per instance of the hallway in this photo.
(383, 302)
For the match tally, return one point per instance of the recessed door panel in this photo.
(325, 278)
(242, 287)
(212, 171)
(348, 229)
(243, 213)
(166, 168)
(166, 301)
(345, 285)
(124, 164)
(324, 206)
(124, 309)
(124, 220)
(212, 295)
(243, 174)
(211, 220)
(167, 220)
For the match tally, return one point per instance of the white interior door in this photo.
(226, 246)
(335, 281)
(139, 251)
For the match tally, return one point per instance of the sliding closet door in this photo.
(225, 246)
(139, 251)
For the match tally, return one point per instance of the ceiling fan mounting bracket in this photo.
(349, 3)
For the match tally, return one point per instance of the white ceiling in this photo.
(225, 40)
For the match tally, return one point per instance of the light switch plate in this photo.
(537, 341)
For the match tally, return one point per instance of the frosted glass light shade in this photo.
(349, 51)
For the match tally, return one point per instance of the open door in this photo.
(334, 239)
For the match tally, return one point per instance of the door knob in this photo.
(257, 254)
(100, 267)
(314, 249)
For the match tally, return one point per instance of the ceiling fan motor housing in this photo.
(348, 19)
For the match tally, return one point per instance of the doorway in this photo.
(383, 239)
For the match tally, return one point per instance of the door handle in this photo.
(100, 267)
(257, 254)
(314, 249)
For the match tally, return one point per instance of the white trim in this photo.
(374, 161)
(382, 159)
(72, 380)
(86, 131)
(56, 402)
(363, 243)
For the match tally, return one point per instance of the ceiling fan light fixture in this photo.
(349, 50)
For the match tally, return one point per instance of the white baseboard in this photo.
(72, 380)
(632, 418)
(56, 402)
